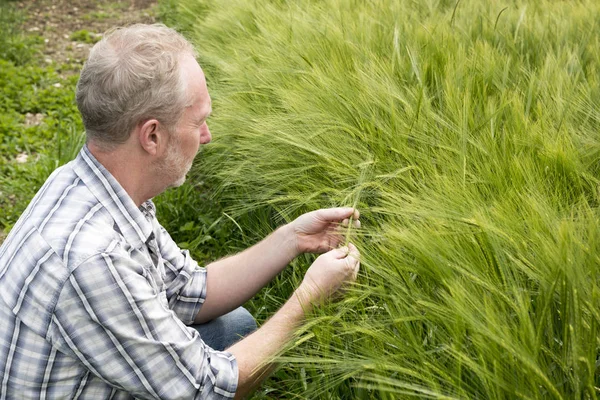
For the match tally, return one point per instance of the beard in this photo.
(174, 167)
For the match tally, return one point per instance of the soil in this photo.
(70, 27)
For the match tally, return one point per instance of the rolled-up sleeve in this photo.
(184, 279)
(112, 318)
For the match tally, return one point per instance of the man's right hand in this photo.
(328, 275)
(325, 279)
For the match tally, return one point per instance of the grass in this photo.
(85, 36)
(466, 132)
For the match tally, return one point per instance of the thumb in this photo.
(337, 213)
(353, 251)
(339, 253)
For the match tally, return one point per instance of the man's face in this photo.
(191, 130)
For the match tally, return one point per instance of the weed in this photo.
(15, 46)
(30, 148)
(97, 16)
(85, 36)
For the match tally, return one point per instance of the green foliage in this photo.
(196, 223)
(14, 45)
(85, 36)
(38, 118)
(33, 89)
(467, 134)
(97, 16)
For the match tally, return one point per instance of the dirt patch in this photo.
(69, 28)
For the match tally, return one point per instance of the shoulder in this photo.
(68, 217)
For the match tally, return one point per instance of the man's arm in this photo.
(234, 280)
(322, 281)
(112, 317)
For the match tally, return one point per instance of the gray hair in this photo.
(132, 74)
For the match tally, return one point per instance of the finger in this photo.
(354, 259)
(352, 267)
(351, 262)
(353, 251)
(356, 214)
(337, 213)
(356, 270)
(353, 254)
(339, 254)
(344, 224)
(349, 265)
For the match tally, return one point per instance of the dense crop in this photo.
(467, 133)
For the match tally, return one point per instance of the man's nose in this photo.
(205, 135)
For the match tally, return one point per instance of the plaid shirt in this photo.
(94, 298)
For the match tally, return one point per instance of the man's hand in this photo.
(324, 280)
(249, 271)
(321, 230)
(328, 275)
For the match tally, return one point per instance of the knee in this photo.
(241, 322)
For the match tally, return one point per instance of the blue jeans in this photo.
(222, 332)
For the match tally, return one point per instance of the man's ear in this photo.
(152, 136)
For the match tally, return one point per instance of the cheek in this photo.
(197, 142)
(192, 142)
(191, 148)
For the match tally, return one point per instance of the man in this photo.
(95, 297)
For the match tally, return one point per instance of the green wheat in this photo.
(481, 240)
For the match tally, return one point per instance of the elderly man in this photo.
(96, 300)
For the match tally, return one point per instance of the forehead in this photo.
(195, 83)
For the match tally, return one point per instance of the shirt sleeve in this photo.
(112, 319)
(184, 279)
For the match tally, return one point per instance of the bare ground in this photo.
(58, 20)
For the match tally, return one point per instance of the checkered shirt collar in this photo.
(134, 223)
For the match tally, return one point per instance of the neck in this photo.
(131, 168)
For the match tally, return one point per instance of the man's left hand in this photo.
(322, 230)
